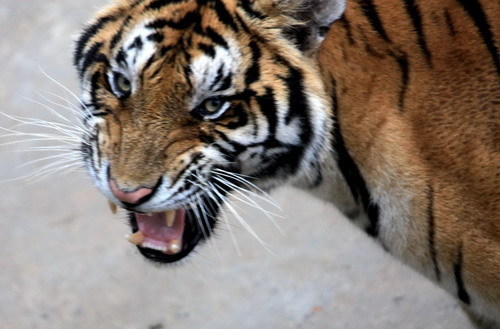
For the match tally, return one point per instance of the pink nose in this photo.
(129, 197)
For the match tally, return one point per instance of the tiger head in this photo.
(187, 100)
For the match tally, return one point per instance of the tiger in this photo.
(388, 109)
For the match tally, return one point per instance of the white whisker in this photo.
(63, 128)
(64, 156)
(242, 221)
(201, 204)
(244, 181)
(70, 107)
(208, 189)
(64, 88)
(252, 203)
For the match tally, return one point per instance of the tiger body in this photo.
(393, 116)
(421, 119)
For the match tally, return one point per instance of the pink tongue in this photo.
(155, 228)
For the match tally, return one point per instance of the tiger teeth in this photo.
(170, 218)
(113, 207)
(175, 246)
(154, 247)
(136, 238)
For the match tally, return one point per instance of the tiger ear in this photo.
(310, 18)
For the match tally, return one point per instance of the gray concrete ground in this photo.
(65, 264)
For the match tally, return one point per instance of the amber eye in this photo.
(213, 105)
(122, 85)
(211, 108)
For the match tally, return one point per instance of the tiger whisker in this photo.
(267, 198)
(48, 149)
(72, 140)
(252, 203)
(65, 89)
(48, 108)
(203, 211)
(62, 155)
(242, 221)
(71, 107)
(208, 189)
(40, 171)
(240, 190)
(65, 129)
(51, 172)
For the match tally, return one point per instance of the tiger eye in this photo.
(123, 84)
(213, 105)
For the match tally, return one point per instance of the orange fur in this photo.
(446, 136)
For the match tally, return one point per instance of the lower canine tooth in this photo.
(170, 218)
(174, 246)
(113, 207)
(137, 238)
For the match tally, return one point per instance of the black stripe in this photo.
(351, 173)
(218, 78)
(121, 57)
(157, 37)
(267, 106)
(88, 33)
(137, 44)
(347, 27)
(207, 49)
(224, 16)
(89, 57)
(94, 87)
(277, 164)
(462, 293)
(159, 4)
(475, 11)
(449, 23)
(432, 233)
(148, 64)
(246, 6)
(253, 72)
(370, 11)
(405, 75)
(118, 35)
(101, 113)
(188, 20)
(196, 157)
(242, 24)
(216, 37)
(237, 114)
(298, 107)
(416, 18)
(226, 83)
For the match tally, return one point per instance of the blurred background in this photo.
(65, 263)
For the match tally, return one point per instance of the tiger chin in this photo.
(388, 109)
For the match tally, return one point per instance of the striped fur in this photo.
(394, 117)
(416, 88)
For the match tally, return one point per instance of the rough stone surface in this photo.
(65, 264)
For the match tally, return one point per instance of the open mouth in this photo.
(169, 236)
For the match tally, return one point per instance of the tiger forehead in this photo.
(177, 33)
(175, 18)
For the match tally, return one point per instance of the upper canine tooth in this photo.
(170, 217)
(136, 238)
(113, 207)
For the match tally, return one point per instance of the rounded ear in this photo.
(312, 17)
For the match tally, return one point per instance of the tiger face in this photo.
(186, 101)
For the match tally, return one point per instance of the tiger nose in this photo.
(129, 197)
